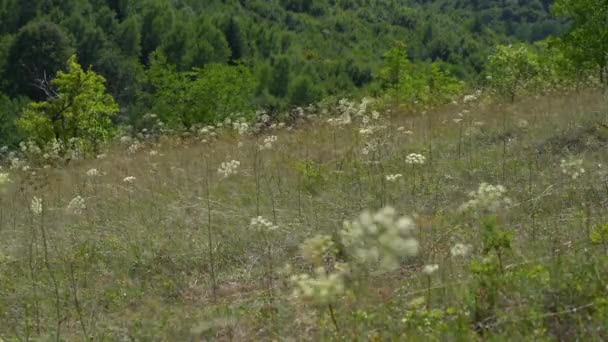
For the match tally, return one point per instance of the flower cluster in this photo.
(323, 287)
(4, 179)
(268, 142)
(228, 169)
(129, 179)
(573, 168)
(318, 249)
(380, 237)
(263, 224)
(460, 249)
(487, 197)
(77, 206)
(393, 178)
(415, 159)
(430, 269)
(92, 173)
(36, 205)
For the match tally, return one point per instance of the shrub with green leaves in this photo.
(77, 108)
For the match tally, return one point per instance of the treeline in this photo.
(193, 61)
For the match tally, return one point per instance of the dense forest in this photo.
(264, 54)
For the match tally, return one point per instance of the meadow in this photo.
(481, 220)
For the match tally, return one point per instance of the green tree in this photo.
(302, 92)
(512, 69)
(587, 39)
(40, 49)
(77, 108)
(280, 77)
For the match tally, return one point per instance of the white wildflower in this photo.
(460, 249)
(573, 168)
(381, 238)
(4, 179)
(263, 224)
(415, 159)
(487, 197)
(36, 205)
(129, 179)
(393, 178)
(430, 269)
(77, 206)
(229, 168)
(92, 173)
(268, 142)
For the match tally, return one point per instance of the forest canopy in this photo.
(289, 52)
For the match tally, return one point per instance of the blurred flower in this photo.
(262, 224)
(77, 206)
(129, 179)
(92, 173)
(460, 249)
(228, 169)
(430, 269)
(393, 178)
(380, 237)
(487, 197)
(36, 205)
(415, 159)
(573, 168)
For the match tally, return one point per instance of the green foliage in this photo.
(206, 95)
(416, 84)
(587, 40)
(78, 109)
(512, 69)
(39, 50)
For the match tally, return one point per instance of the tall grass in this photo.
(171, 254)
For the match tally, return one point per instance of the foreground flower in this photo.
(36, 205)
(228, 169)
(129, 179)
(323, 287)
(430, 269)
(380, 238)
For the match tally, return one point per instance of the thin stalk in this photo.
(210, 233)
(47, 264)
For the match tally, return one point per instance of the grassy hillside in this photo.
(155, 240)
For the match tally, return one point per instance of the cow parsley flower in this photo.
(323, 287)
(415, 159)
(92, 173)
(229, 168)
(460, 249)
(36, 205)
(430, 269)
(129, 179)
(393, 178)
(380, 238)
(4, 179)
(487, 197)
(77, 206)
(268, 142)
(263, 224)
(573, 168)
